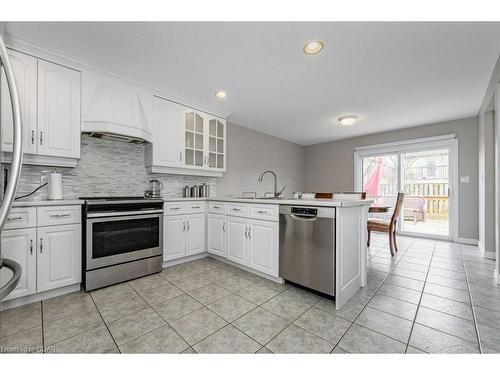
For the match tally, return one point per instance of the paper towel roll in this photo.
(55, 186)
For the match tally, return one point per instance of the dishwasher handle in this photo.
(304, 217)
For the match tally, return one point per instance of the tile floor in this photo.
(433, 297)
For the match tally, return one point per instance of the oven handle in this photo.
(123, 213)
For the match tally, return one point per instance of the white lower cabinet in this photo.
(263, 246)
(237, 235)
(241, 236)
(253, 243)
(174, 235)
(20, 246)
(59, 256)
(50, 255)
(184, 235)
(216, 234)
(195, 234)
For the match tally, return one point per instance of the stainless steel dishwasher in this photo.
(307, 247)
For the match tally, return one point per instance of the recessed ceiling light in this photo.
(348, 119)
(221, 94)
(313, 47)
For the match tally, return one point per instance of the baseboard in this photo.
(174, 262)
(467, 241)
(5, 305)
(486, 254)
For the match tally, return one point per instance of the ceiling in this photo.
(392, 75)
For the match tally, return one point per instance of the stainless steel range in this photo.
(122, 239)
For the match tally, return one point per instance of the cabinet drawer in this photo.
(238, 209)
(21, 217)
(57, 215)
(264, 212)
(217, 208)
(195, 207)
(174, 208)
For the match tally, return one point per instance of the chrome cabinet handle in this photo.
(236, 209)
(223, 226)
(188, 226)
(41, 138)
(183, 226)
(216, 207)
(14, 218)
(175, 208)
(195, 206)
(32, 137)
(180, 156)
(250, 232)
(246, 232)
(261, 212)
(41, 245)
(60, 215)
(31, 247)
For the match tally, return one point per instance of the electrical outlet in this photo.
(43, 179)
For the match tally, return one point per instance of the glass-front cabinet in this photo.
(216, 144)
(194, 143)
(204, 141)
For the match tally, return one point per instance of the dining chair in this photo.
(388, 226)
(361, 195)
(323, 195)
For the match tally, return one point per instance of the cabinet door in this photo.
(25, 72)
(194, 139)
(237, 239)
(59, 256)
(167, 133)
(20, 246)
(195, 234)
(58, 110)
(216, 144)
(174, 237)
(216, 234)
(263, 246)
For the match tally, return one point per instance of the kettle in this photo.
(154, 189)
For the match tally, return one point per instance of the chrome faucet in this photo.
(277, 193)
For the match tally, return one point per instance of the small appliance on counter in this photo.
(154, 189)
(196, 191)
(55, 186)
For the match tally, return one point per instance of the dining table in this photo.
(376, 208)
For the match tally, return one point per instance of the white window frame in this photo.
(449, 141)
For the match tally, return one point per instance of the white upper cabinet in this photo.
(25, 72)
(186, 141)
(216, 147)
(50, 112)
(58, 110)
(167, 133)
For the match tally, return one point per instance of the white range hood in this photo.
(116, 109)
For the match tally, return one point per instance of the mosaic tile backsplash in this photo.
(106, 168)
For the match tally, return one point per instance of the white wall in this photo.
(330, 166)
(488, 156)
(250, 153)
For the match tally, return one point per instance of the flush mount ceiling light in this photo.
(221, 94)
(348, 119)
(313, 47)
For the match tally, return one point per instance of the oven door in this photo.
(120, 239)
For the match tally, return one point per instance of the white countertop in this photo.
(297, 202)
(59, 202)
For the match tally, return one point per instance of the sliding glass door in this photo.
(425, 182)
(423, 171)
